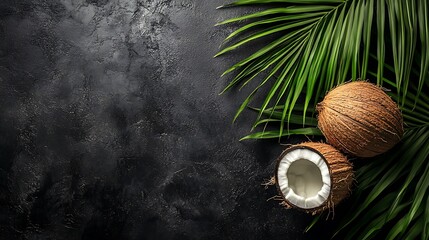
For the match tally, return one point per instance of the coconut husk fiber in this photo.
(360, 119)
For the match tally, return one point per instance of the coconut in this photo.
(313, 177)
(360, 119)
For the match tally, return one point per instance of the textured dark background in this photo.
(111, 126)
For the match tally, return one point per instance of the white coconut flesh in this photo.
(304, 179)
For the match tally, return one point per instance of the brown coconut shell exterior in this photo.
(340, 170)
(360, 119)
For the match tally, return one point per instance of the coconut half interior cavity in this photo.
(313, 177)
(303, 178)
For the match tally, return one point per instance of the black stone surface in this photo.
(111, 126)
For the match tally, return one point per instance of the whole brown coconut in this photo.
(313, 177)
(360, 119)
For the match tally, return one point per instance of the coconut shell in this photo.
(340, 169)
(360, 119)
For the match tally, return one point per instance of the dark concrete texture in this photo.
(111, 126)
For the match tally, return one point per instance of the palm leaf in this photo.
(415, 149)
(298, 55)
(276, 134)
(320, 44)
(405, 171)
(314, 45)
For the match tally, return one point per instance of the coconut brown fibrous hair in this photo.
(360, 119)
(340, 171)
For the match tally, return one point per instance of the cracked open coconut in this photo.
(313, 177)
(360, 119)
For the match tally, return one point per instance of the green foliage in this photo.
(320, 44)
(392, 196)
(314, 45)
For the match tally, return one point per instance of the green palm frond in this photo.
(317, 45)
(273, 134)
(294, 60)
(394, 187)
(314, 45)
(392, 198)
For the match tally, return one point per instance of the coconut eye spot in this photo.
(305, 178)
